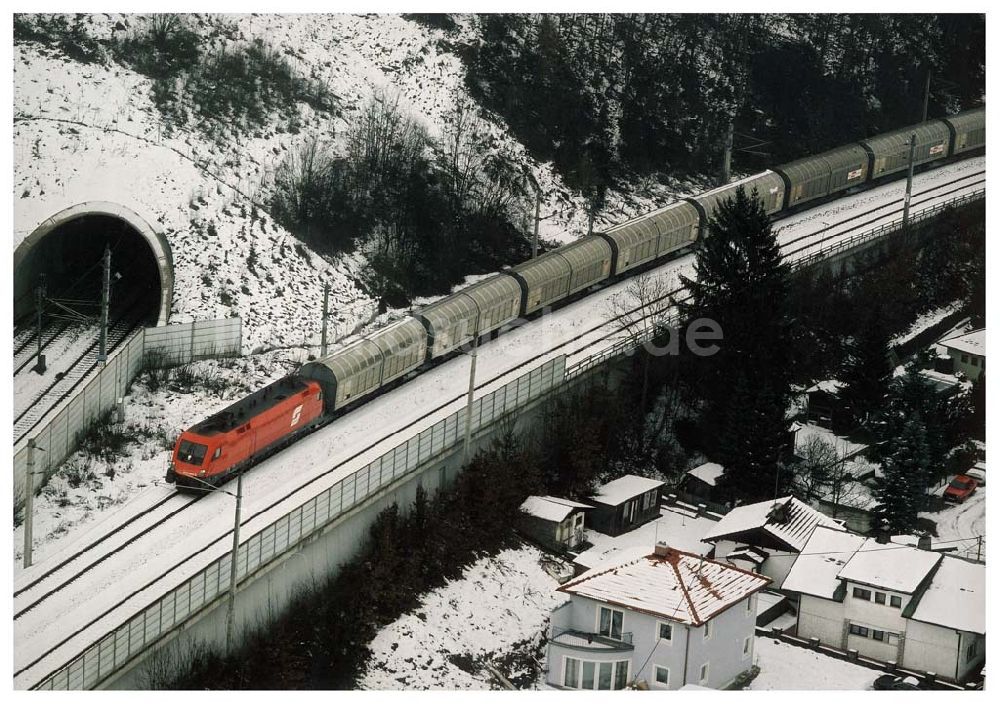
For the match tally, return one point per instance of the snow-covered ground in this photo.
(499, 605)
(965, 522)
(787, 667)
(310, 466)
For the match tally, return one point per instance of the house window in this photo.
(746, 647)
(859, 630)
(965, 358)
(707, 632)
(879, 597)
(571, 676)
(703, 675)
(975, 362)
(878, 635)
(593, 675)
(611, 623)
(661, 676)
(895, 601)
(892, 639)
(860, 593)
(970, 652)
(649, 500)
(749, 608)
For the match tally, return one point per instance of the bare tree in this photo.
(823, 473)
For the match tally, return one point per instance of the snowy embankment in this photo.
(498, 609)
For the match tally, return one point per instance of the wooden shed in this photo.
(625, 503)
(553, 523)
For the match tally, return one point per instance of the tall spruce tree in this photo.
(742, 284)
(904, 474)
(866, 372)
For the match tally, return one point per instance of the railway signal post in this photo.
(326, 315)
(29, 499)
(102, 352)
(468, 410)
(40, 310)
(909, 181)
(231, 611)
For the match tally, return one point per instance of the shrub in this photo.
(59, 32)
(164, 48)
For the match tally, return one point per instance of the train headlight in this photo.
(201, 472)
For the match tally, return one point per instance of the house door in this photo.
(628, 513)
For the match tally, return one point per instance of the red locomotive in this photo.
(234, 439)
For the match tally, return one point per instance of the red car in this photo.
(960, 488)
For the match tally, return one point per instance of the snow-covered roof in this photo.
(956, 596)
(707, 472)
(977, 471)
(622, 489)
(895, 567)
(973, 342)
(551, 508)
(827, 386)
(670, 584)
(807, 433)
(816, 569)
(799, 521)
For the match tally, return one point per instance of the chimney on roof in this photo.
(882, 535)
(662, 549)
(924, 542)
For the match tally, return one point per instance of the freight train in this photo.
(245, 432)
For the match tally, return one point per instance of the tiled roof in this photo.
(670, 584)
(799, 521)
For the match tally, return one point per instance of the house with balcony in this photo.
(658, 622)
(554, 523)
(766, 537)
(624, 504)
(912, 607)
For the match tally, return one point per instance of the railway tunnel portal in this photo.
(66, 251)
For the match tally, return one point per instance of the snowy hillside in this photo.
(93, 132)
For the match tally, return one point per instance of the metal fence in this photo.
(884, 231)
(143, 629)
(58, 435)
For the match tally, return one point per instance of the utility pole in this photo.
(538, 207)
(326, 312)
(909, 181)
(468, 409)
(102, 352)
(927, 94)
(231, 611)
(40, 311)
(727, 156)
(29, 500)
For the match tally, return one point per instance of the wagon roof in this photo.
(765, 182)
(665, 219)
(925, 132)
(349, 360)
(449, 309)
(968, 120)
(814, 165)
(493, 290)
(399, 336)
(584, 251)
(543, 268)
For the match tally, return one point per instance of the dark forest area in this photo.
(609, 96)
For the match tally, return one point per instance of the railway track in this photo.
(46, 400)
(24, 354)
(40, 587)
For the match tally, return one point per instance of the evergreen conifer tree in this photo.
(742, 284)
(904, 473)
(867, 372)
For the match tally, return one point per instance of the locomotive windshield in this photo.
(190, 452)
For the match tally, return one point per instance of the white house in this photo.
(661, 621)
(968, 353)
(899, 604)
(766, 537)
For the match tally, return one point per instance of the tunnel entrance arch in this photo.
(74, 239)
